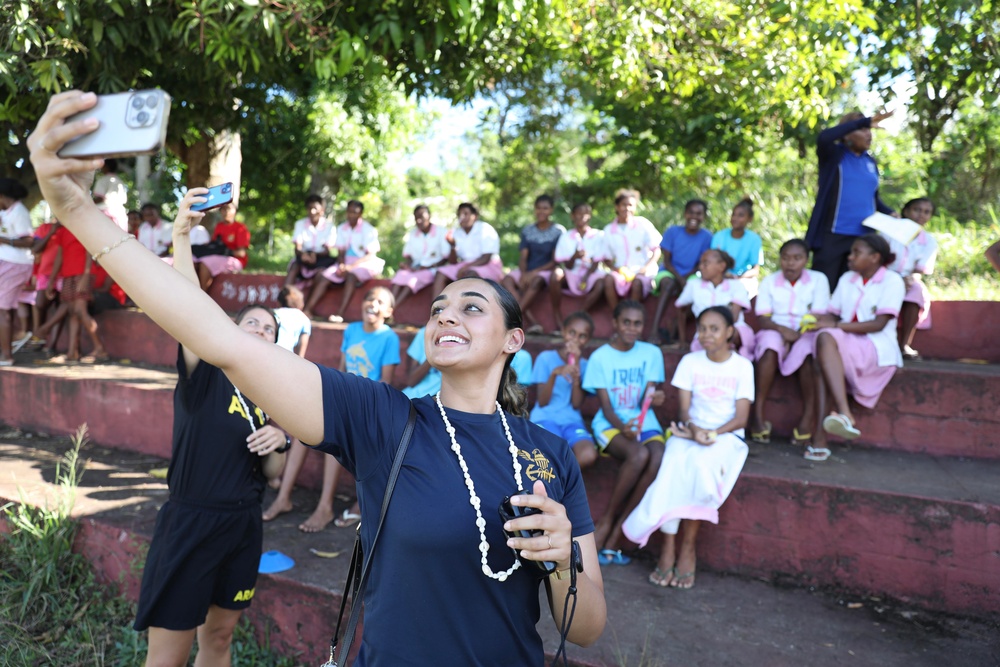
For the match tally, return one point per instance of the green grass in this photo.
(53, 611)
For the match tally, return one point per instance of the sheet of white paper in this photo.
(903, 230)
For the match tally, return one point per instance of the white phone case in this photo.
(133, 123)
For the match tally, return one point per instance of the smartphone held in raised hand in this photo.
(218, 195)
(133, 123)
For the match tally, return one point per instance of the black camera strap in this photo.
(357, 575)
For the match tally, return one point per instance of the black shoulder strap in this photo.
(358, 578)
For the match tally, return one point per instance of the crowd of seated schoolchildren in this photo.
(840, 344)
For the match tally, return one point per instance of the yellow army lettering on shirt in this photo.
(245, 595)
(235, 406)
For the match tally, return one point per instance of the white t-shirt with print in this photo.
(715, 387)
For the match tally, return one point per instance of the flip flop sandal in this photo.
(659, 578)
(764, 436)
(801, 439)
(683, 577)
(841, 426)
(612, 557)
(347, 519)
(818, 454)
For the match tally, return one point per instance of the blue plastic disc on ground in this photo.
(274, 561)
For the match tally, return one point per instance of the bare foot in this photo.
(277, 508)
(319, 520)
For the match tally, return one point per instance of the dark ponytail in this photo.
(878, 244)
(511, 395)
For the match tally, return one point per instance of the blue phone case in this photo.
(218, 195)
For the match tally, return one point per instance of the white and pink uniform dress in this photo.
(482, 239)
(870, 360)
(320, 237)
(591, 243)
(694, 480)
(631, 246)
(785, 303)
(425, 251)
(359, 242)
(915, 260)
(701, 294)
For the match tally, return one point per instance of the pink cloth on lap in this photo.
(220, 264)
(623, 286)
(493, 270)
(866, 380)
(917, 293)
(790, 358)
(515, 275)
(12, 279)
(748, 341)
(363, 271)
(574, 276)
(415, 280)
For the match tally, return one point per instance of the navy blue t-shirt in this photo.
(428, 601)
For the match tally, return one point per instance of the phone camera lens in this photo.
(152, 101)
(136, 102)
(226, 188)
(142, 117)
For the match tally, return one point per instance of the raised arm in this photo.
(285, 386)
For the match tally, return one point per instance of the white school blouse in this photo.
(785, 303)
(701, 294)
(357, 241)
(475, 243)
(314, 238)
(591, 242)
(426, 250)
(916, 257)
(631, 245)
(883, 295)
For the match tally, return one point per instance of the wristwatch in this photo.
(286, 447)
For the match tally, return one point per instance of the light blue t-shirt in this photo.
(747, 252)
(366, 353)
(685, 249)
(559, 409)
(292, 323)
(624, 375)
(522, 366)
(431, 384)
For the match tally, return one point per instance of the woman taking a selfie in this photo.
(443, 539)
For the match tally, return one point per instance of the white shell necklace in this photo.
(484, 545)
(246, 410)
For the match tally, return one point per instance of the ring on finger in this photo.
(550, 540)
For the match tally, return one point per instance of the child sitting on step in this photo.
(913, 261)
(623, 373)
(857, 350)
(704, 454)
(783, 343)
(714, 289)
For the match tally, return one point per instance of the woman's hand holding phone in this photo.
(186, 217)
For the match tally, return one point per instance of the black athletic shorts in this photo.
(200, 555)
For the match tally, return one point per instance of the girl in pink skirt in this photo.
(357, 261)
(580, 253)
(632, 251)
(714, 289)
(856, 346)
(475, 248)
(426, 248)
(913, 261)
(705, 454)
(783, 343)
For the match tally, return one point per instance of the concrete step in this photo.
(962, 329)
(724, 620)
(943, 408)
(918, 528)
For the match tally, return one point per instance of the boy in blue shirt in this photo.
(681, 247)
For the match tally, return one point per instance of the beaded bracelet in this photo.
(108, 248)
